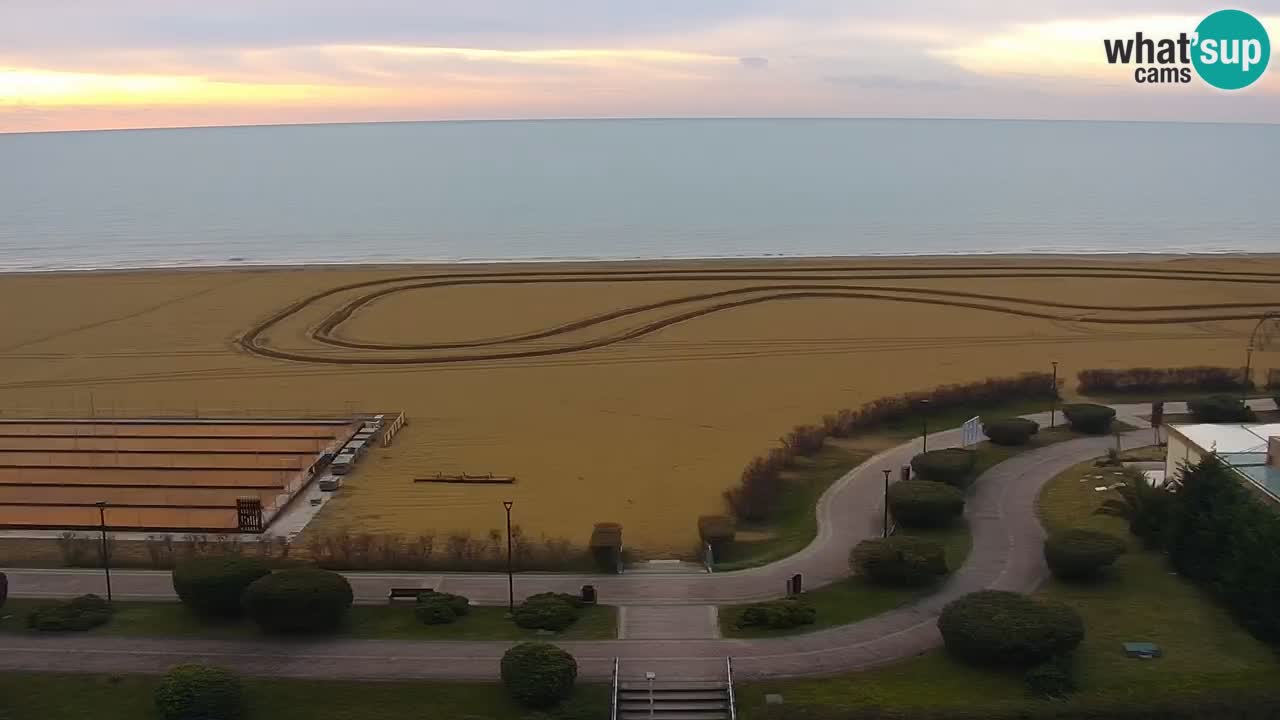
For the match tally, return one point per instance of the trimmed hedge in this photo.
(1079, 554)
(996, 627)
(1201, 378)
(953, 466)
(200, 692)
(440, 608)
(777, 614)
(606, 546)
(538, 675)
(298, 600)
(716, 531)
(545, 612)
(924, 503)
(213, 585)
(899, 561)
(1089, 418)
(83, 613)
(1220, 409)
(755, 498)
(1010, 431)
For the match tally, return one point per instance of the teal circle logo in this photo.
(1232, 49)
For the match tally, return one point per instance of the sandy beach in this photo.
(626, 392)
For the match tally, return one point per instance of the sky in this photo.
(96, 64)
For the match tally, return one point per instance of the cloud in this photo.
(754, 62)
(895, 82)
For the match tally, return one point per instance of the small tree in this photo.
(538, 675)
(200, 692)
(1144, 506)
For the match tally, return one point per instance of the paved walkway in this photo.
(1006, 554)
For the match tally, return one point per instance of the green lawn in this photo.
(72, 697)
(1141, 600)
(796, 522)
(854, 599)
(381, 622)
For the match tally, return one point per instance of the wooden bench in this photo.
(395, 593)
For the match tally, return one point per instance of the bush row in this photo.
(1146, 379)
(338, 550)
(777, 614)
(1220, 409)
(83, 613)
(755, 498)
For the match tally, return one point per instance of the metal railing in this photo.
(733, 703)
(613, 702)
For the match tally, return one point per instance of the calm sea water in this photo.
(632, 189)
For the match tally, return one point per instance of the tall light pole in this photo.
(1248, 370)
(1053, 400)
(887, 471)
(511, 582)
(924, 425)
(106, 558)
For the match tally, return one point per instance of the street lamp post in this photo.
(106, 558)
(887, 471)
(511, 583)
(1053, 400)
(1248, 370)
(924, 425)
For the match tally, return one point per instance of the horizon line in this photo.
(656, 118)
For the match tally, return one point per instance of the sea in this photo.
(632, 189)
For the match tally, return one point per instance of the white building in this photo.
(1253, 451)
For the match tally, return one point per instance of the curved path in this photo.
(781, 284)
(1006, 554)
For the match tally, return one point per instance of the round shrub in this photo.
(573, 600)
(951, 466)
(996, 627)
(1052, 679)
(538, 675)
(432, 610)
(924, 504)
(1010, 431)
(300, 600)
(545, 613)
(1220, 409)
(1089, 418)
(213, 585)
(901, 561)
(457, 603)
(200, 692)
(1079, 554)
(83, 613)
(777, 614)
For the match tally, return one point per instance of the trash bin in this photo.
(589, 594)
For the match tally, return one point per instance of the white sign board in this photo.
(971, 432)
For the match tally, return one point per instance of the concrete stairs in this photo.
(673, 700)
